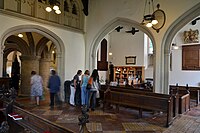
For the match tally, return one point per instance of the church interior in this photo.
(147, 54)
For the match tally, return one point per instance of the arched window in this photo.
(148, 43)
(74, 10)
(66, 6)
(150, 46)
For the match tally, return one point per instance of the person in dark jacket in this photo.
(54, 88)
(75, 95)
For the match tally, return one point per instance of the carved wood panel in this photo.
(191, 57)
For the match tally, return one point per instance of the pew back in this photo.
(29, 120)
(141, 101)
(194, 91)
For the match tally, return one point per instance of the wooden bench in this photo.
(36, 124)
(181, 100)
(194, 91)
(118, 88)
(135, 87)
(141, 101)
(182, 104)
(146, 92)
(6, 82)
(135, 91)
(5, 85)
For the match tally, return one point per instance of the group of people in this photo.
(54, 84)
(80, 93)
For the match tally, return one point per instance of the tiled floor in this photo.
(126, 121)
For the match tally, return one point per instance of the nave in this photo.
(111, 122)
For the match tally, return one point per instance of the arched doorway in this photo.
(109, 28)
(38, 48)
(167, 40)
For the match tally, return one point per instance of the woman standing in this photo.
(75, 84)
(36, 87)
(94, 89)
(84, 91)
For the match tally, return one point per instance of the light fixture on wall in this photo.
(174, 46)
(20, 35)
(110, 53)
(155, 19)
(53, 4)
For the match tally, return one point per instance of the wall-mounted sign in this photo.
(130, 60)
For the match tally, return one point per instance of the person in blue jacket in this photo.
(54, 88)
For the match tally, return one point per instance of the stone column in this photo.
(165, 88)
(4, 65)
(1, 60)
(44, 72)
(28, 64)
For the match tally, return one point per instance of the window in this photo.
(150, 46)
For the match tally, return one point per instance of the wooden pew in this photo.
(181, 100)
(36, 124)
(5, 82)
(146, 92)
(141, 101)
(184, 103)
(137, 91)
(183, 97)
(120, 88)
(194, 91)
(134, 87)
(5, 85)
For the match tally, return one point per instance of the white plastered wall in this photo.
(133, 10)
(71, 47)
(177, 75)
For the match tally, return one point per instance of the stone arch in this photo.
(45, 53)
(48, 34)
(9, 49)
(41, 45)
(166, 43)
(31, 42)
(23, 45)
(110, 27)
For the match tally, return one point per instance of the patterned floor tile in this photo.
(67, 119)
(53, 112)
(140, 127)
(93, 127)
(41, 109)
(114, 131)
(126, 121)
(99, 112)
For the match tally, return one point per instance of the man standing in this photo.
(54, 88)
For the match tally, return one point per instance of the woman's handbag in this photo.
(89, 84)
